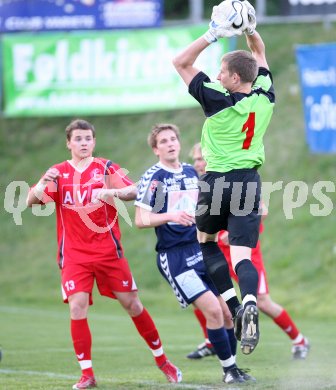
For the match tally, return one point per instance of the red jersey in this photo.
(87, 229)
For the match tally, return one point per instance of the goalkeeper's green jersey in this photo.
(232, 135)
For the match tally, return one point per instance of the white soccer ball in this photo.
(231, 13)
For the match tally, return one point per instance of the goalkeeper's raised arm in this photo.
(257, 47)
(229, 18)
(223, 24)
(184, 62)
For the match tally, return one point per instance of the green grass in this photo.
(37, 352)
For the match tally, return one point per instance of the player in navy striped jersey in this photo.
(166, 200)
(238, 110)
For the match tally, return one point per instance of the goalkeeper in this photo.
(238, 110)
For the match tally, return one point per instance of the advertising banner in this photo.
(124, 71)
(317, 67)
(63, 15)
(308, 7)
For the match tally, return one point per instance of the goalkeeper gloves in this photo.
(223, 17)
(211, 35)
(217, 31)
(251, 18)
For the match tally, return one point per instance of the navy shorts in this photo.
(184, 270)
(230, 201)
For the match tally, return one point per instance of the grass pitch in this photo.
(38, 354)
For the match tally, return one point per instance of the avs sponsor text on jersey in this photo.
(87, 229)
(163, 189)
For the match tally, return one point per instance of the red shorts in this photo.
(110, 276)
(257, 260)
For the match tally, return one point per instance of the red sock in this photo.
(202, 321)
(147, 330)
(81, 338)
(286, 324)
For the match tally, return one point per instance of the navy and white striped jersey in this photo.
(163, 189)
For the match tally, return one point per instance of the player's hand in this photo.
(219, 27)
(227, 16)
(252, 19)
(51, 175)
(183, 218)
(105, 194)
(223, 30)
(223, 18)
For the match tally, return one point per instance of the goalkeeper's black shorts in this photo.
(230, 201)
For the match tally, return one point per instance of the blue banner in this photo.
(63, 15)
(317, 67)
(308, 7)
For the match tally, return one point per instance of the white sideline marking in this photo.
(38, 373)
(72, 377)
(112, 348)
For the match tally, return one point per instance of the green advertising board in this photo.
(113, 72)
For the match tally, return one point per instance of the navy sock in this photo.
(232, 341)
(220, 340)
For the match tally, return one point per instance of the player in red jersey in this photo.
(300, 344)
(86, 191)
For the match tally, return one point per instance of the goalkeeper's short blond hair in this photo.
(243, 63)
(156, 129)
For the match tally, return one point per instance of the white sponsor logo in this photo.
(319, 77)
(321, 113)
(80, 356)
(97, 175)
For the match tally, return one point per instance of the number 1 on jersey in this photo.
(249, 128)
